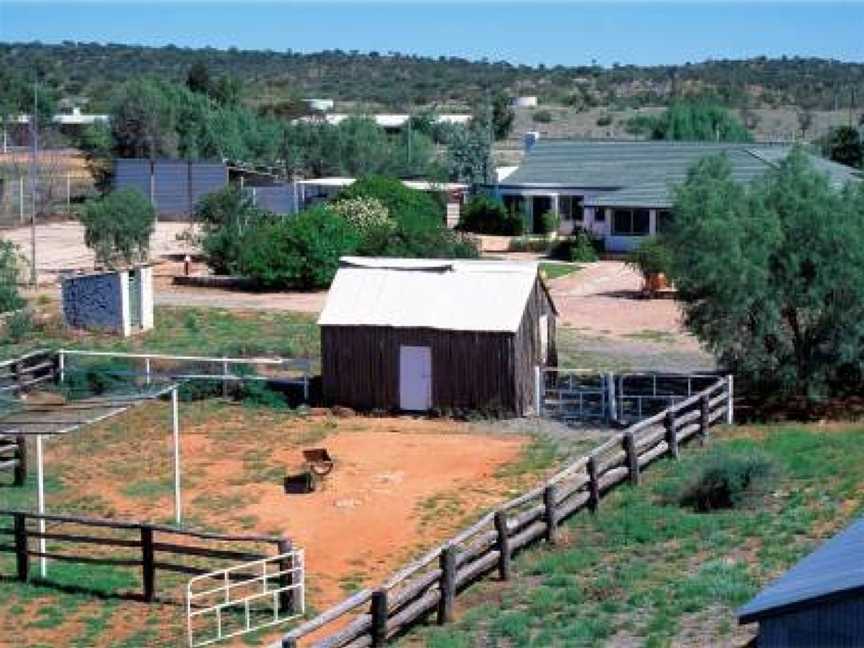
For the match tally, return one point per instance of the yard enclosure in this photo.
(482, 328)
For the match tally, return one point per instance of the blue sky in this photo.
(561, 32)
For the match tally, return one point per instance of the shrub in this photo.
(529, 244)
(10, 268)
(542, 117)
(549, 222)
(486, 215)
(118, 227)
(419, 229)
(604, 120)
(370, 218)
(726, 479)
(579, 247)
(301, 252)
(224, 217)
(650, 258)
(17, 327)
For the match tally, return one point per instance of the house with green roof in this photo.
(622, 191)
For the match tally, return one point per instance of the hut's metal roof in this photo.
(642, 173)
(443, 294)
(834, 570)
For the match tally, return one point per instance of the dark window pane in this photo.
(641, 222)
(622, 222)
(664, 219)
(599, 215)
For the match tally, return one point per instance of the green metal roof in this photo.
(642, 173)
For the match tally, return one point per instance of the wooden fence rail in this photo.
(429, 585)
(27, 371)
(152, 552)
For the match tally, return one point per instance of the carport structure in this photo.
(45, 420)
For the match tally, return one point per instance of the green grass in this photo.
(557, 270)
(644, 569)
(195, 331)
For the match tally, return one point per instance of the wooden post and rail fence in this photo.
(151, 548)
(429, 585)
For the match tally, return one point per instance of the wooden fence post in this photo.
(704, 430)
(289, 642)
(22, 558)
(286, 597)
(379, 617)
(503, 545)
(21, 455)
(632, 457)
(593, 485)
(148, 563)
(550, 515)
(671, 437)
(447, 586)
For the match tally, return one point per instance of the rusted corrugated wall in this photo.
(470, 370)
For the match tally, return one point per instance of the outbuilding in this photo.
(819, 602)
(435, 334)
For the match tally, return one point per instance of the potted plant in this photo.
(651, 259)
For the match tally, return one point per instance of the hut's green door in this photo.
(135, 299)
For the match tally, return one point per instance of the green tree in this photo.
(486, 215)
(845, 145)
(469, 155)
(224, 217)
(10, 267)
(691, 121)
(118, 227)
(198, 78)
(771, 276)
(143, 120)
(300, 252)
(502, 116)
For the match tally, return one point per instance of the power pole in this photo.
(34, 172)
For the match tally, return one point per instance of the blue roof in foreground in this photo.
(835, 569)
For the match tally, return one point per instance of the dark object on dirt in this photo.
(343, 412)
(319, 461)
(299, 484)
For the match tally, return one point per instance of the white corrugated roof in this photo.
(444, 294)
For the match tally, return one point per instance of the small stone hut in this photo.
(424, 334)
(119, 300)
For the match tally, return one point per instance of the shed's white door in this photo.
(415, 378)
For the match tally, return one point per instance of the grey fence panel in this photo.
(205, 178)
(171, 191)
(278, 199)
(177, 184)
(133, 174)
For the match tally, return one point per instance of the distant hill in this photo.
(396, 81)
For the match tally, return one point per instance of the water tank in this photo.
(530, 139)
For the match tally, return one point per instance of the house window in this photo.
(570, 208)
(514, 204)
(630, 222)
(599, 214)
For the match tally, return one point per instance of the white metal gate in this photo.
(250, 596)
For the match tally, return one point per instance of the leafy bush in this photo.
(224, 217)
(370, 218)
(726, 479)
(118, 227)
(549, 222)
(419, 229)
(299, 252)
(652, 257)
(10, 268)
(691, 121)
(17, 327)
(542, 117)
(579, 247)
(98, 378)
(604, 120)
(486, 215)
